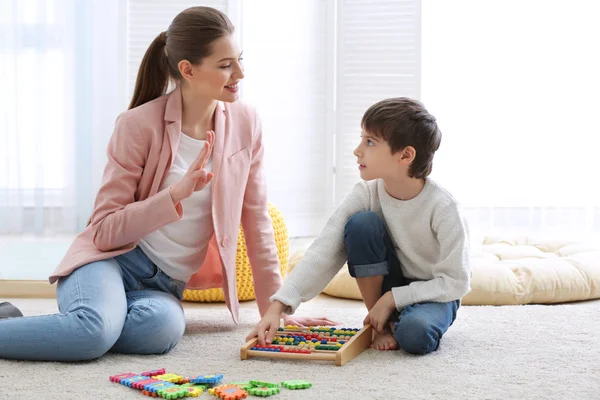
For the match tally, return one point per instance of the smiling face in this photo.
(216, 76)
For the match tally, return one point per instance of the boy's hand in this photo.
(380, 314)
(269, 323)
(304, 322)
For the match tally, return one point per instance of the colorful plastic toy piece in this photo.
(150, 394)
(212, 379)
(155, 387)
(141, 384)
(230, 392)
(264, 391)
(194, 391)
(173, 392)
(173, 378)
(296, 384)
(130, 381)
(212, 389)
(118, 378)
(263, 384)
(202, 386)
(243, 385)
(154, 372)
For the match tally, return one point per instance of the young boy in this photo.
(402, 235)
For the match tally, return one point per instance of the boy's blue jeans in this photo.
(418, 328)
(124, 304)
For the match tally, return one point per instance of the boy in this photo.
(402, 235)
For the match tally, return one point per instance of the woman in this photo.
(184, 170)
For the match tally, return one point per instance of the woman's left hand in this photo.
(304, 322)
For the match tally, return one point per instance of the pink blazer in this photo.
(128, 205)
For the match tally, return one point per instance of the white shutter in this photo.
(378, 54)
(147, 18)
(288, 58)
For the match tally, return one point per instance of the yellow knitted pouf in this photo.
(244, 282)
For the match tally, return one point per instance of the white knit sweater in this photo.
(430, 235)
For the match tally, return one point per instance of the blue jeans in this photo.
(124, 304)
(419, 327)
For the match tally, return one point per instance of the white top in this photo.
(179, 248)
(428, 231)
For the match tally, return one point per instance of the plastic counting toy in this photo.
(230, 392)
(173, 378)
(315, 343)
(263, 384)
(159, 384)
(173, 392)
(117, 378)
(296, 384)
(264, 391)
(243, 385)
(211, 379)
(154, 372)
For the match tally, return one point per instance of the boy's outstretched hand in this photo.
(380, 314)
(268, 325)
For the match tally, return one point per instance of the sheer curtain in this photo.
(58, 63)
(289, 64)
(515, 86)
(37, 133)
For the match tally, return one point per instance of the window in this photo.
(515, 87)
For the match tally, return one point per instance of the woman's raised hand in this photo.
(196, 178)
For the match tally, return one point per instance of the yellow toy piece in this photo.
(244, 282)
(173, 378)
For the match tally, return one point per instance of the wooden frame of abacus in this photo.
(357, 344)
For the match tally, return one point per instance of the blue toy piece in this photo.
(211, 379)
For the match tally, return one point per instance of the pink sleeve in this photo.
(258, 228)
(118, 218)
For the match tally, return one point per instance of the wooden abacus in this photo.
(316, 343)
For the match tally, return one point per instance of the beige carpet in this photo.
(522, 352)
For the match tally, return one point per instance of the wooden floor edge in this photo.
(27, 289)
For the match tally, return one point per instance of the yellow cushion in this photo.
(510, 271)
(244, 282)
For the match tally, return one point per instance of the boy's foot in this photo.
(384, 341)
(7, 310)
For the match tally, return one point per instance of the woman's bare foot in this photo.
(384, 341)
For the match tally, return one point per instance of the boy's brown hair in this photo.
(404, 122)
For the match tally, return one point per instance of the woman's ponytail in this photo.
(153, 76)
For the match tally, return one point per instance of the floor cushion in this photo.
(510, 271)
(244, 279)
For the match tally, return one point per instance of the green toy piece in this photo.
(173, 392)
(261, 384)
(296, 384)
(203, 386)
(243, 385)
(263, 391)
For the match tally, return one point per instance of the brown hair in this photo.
(404, 122)
(189, 37)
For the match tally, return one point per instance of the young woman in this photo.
(184, 170)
